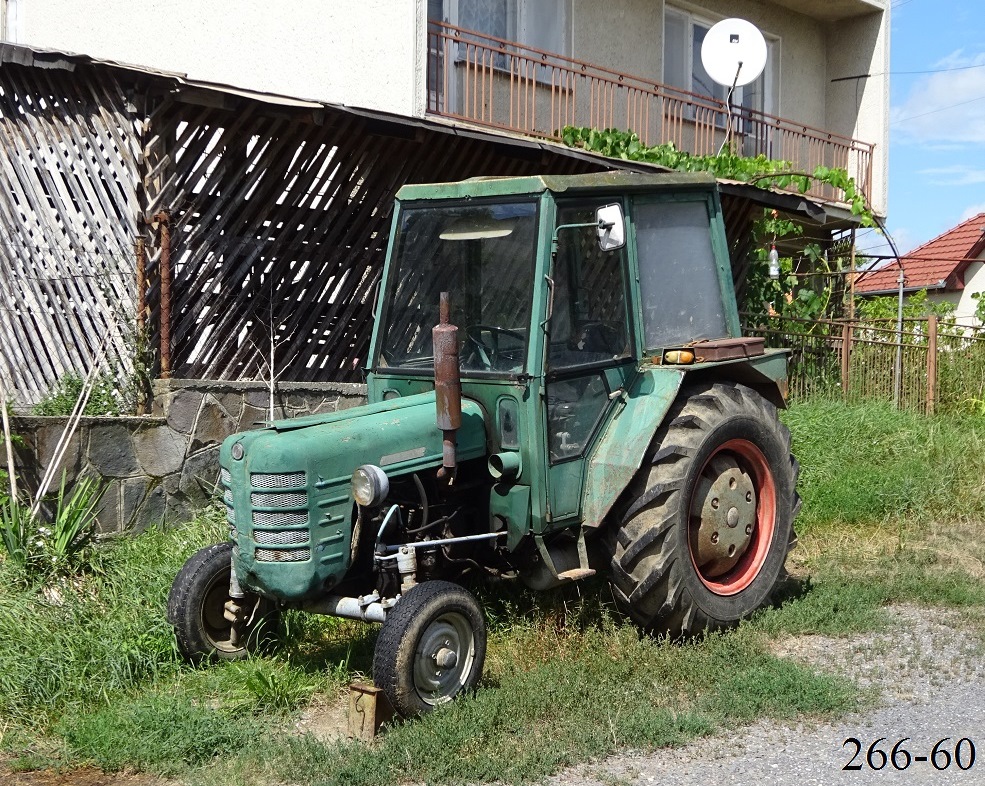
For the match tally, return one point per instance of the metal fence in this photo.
(927, 366)
(504, 84)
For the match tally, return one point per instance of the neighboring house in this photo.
(950, 267)
(526, 66)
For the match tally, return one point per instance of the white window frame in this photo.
(521, 23)
(771, 76)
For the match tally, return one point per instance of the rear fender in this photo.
(619, 452)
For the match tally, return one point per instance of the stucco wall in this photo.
(627, 36)
(363, 53)
(164, 467)
(974, 281)
(860, 107)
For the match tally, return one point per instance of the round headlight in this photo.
(370, 485)
(236, 451)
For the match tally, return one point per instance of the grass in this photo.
(89, 673)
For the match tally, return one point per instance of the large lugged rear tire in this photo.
(197, 602)
(703, 539)
(431, 647)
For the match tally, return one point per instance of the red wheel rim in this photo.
(746, 469)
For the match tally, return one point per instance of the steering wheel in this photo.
(488, 350)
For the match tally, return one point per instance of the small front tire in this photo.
(196, 607)
(431, 648)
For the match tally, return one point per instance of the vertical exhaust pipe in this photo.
(447, 388)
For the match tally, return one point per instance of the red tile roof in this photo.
(935, 261)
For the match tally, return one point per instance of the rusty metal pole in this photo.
(931, 363)
(163, 221)
(846, 355)
(851, 279)
(447, 388)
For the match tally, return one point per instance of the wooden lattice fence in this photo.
(277, 213)
(68, 213)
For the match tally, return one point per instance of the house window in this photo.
(683, 35)
(542, 24)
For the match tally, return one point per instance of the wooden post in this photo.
(931, 363)
(368, 710)
(846, 356)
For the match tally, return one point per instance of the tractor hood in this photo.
(289, 495)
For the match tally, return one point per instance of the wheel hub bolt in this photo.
(714, 537)
(446, 658)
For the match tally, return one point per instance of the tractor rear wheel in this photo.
(431, 647)
(196, 610)
(702, 541)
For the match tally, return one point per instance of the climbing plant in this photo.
(810, 296)
(758, 170)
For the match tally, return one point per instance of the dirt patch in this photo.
(326, 722)
(86, 776)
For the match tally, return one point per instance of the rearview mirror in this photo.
(611, 227)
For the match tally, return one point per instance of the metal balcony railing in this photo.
(503, 84)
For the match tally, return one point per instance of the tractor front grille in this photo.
(275, 532)
(279, 480)
(286, 537)
(279, 528)
(264, 518)
(279, 499)
(283, 555)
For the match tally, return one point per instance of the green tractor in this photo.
(557, 386)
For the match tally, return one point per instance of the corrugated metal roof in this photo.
(937, 264)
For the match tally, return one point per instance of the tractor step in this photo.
(576, 573)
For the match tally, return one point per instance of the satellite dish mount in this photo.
(734, 54)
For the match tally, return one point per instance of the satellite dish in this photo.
(734, 52)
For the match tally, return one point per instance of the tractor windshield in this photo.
(483, 255)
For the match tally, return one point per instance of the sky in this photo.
(937, 120)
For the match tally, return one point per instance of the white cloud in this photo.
(945, 107)
(954, 176)
(971, 211)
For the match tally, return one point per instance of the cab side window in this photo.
(589, 328)
(589, 322)
(679, 278)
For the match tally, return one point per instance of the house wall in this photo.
(962, 300)
(860, 107)
(364, 53)
(974, 282)
(371, 53)
(627, 36)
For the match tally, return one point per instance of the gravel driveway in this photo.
(930, 677)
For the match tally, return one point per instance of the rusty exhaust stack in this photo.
(447, 388)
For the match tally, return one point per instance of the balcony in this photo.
(502, 84)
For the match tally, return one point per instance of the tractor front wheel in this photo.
(703, 540)
(431, 647)
(197, 607)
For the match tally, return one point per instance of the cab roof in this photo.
(615, 181)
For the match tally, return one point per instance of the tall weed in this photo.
(870, 463)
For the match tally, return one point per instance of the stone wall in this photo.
(163, 467)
